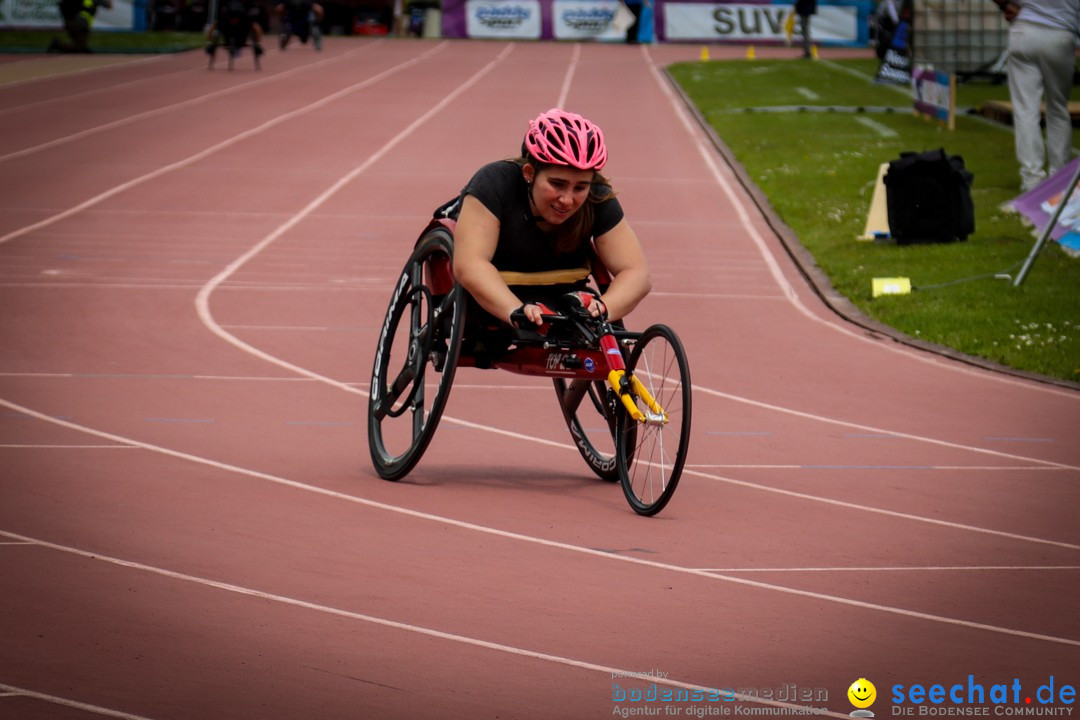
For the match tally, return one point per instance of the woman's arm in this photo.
(621, 253)
(475, 239)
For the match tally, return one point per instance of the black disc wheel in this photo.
(650, 452)
(589, 409)
(416, 357)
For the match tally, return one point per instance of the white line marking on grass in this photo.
(904, 90)
(807, 93)
(882, 130)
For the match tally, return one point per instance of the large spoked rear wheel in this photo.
(589, 409)
(416, 357)
(650, 454)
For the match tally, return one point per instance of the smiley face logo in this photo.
(862, 693)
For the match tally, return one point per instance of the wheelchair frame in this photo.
(643, 403)
(234, 42)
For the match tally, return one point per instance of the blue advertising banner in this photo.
(837, 22)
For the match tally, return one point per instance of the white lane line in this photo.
(12, 691)
(95, 91)
(592, 552)
(68, 447)
(568, 78)
(202, 300)
(898, 568)
(76, 70)
(175, 106)
(880, 511)
(706, 152)
(564, 446)
(608, 670)
(235, 139)
(154, 376)
(882, 431)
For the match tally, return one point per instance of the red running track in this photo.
(193, 267)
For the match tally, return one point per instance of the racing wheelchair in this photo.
(235, 28)
(300, 18)
(625, 396)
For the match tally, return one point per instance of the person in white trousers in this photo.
(1042, 58)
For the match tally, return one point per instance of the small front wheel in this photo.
(651, 452)
(416, 357)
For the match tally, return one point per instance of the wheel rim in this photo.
(651, 461)
(414, 365)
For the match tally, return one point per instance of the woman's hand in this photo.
(533, 313)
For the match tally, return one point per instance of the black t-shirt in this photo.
(523, 246)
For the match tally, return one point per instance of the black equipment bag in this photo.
(928, 196)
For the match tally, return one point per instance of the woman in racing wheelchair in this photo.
(499, 279)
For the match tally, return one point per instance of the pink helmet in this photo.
(564, 138)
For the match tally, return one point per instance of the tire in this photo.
(417, 352)
(650, 455)
(588, 407)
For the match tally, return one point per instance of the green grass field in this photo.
(36, 41)
(818, 170)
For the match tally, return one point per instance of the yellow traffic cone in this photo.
(750, 53)
(813, 51)
(704, 52)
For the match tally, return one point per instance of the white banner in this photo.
(589, 20)
(46, 14)
(506, 19)
(697, 21)
(29, 13)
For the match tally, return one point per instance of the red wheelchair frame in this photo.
(637, 383)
